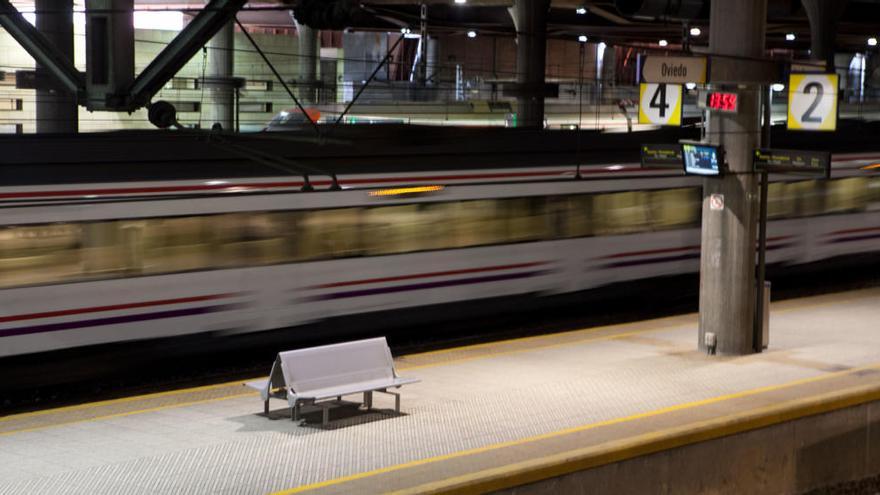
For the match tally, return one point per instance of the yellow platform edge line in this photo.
(576, 429)
(568, 462)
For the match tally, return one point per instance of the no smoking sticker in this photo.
(716, 202)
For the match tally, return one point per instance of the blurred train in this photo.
(84, 264)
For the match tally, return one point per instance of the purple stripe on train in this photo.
(114, 320)
(426, 285)
(679, 257)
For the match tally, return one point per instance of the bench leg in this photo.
(326, 416)
(368, 400)
(294, 411)
(266, 407)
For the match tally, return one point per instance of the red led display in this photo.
(724, 102)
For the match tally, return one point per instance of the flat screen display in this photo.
(700, 159)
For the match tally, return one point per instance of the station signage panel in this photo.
(675, 70)
(812, 102)
(660, 104)
(661, 156)
(702, 159)
(812, 163)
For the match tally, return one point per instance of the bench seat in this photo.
(312, 375)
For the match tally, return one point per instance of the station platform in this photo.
(489, 417)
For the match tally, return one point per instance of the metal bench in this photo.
(313, 375)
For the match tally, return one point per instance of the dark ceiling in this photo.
(607, 21)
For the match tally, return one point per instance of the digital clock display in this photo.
(722, 102)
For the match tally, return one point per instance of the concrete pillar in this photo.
(727, 261)
(431, 60)
(308, 51)
(218, 78)
(530, 19)
(823, 15)
(57, 109)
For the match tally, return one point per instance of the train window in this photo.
(403, 228)
(846, 195)
(527, 219)
(178, 244)
(810, 197)
(40, 254)
(328, 233)
(781, 201)
(476, 223)
(874, 193)
(674, 208)
(621, 213)
(579, 216)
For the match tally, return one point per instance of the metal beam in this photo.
(39, 47)
(181, 49)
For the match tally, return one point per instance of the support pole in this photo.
(727, 261)
(221, 63)
(57, 109)
(757, 336)
(307, 62)
(823, 15)
(530, 19)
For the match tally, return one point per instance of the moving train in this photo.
(90, 263)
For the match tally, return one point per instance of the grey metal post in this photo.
(57, 109)
(823, 15)
(727, 261)
(530, 19)
(307, 57)
(221, 63)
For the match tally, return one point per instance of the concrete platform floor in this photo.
(482, 417)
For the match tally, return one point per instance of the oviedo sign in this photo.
(676, 70)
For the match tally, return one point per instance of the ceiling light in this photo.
(580, 10)
(662, 42)
(695, 31)
(790, 37)
(472, 34)
(690, 85)
(461, 2)
(872, 41)
(405, 30)
(582, 38)
(777, 87)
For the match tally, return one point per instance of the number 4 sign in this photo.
(660, 104)
(812, 102)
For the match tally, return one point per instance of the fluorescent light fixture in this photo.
(472, 34)
(580, 10)
(582, 38)
(662, 42)
(460, 2)
(777, 87)
(872, 41)
(695, 31)
(790, 37)
(160, 20)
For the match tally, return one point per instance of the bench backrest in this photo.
(335, 365)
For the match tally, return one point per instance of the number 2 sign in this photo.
(812, 102)
(660, 104)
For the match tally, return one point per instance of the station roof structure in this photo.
(614, 22)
